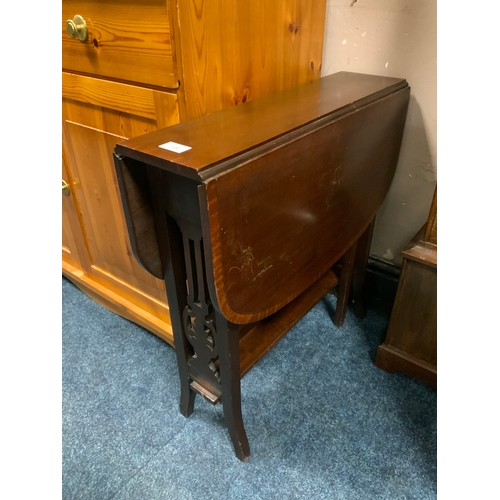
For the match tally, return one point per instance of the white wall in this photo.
(394, 38)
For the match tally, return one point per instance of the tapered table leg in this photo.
(358, 278)
(229, 367)
(346, 273)
(175, 283)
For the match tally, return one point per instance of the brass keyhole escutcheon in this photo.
(77, 28)
(65, 188)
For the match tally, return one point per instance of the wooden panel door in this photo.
(73, 244)
(96, 116)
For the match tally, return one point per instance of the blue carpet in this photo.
(323, 422)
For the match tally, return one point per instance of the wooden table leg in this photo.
(175, 283)
(358, 277)
(346, 274)
(352, 277)
(203, 337)
(229, 367)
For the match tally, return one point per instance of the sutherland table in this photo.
(245, 211)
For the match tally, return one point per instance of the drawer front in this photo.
(103, 104)
(127, 40)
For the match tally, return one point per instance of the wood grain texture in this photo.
(226, 134)
(420, 250)
(120, 97)
(99, 200)
(311, 211)
(73, 243)
(124, 42)
(416, 299)
(166, 108)
(392, 360)
(410, 345)
(348, 126)
(113, 84)
(250, 223)
(233, 51)
(91, 128)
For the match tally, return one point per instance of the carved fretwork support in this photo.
(198, 319)
(209, 363)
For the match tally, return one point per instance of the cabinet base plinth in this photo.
(117, 304)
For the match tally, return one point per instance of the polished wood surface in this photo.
(130, 99)
(124, 42)
(249, 223)
(145, 66)
(336, 191)
(357, 120)
(233, 51)
(252, 124)
(410, 345)
(96, 116)
(73, 244)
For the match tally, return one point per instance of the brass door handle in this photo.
(77, 28)
(65, 188)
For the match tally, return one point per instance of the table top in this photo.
(220, 136)
(283, 185)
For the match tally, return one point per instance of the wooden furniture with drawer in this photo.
(131, 67)
(246, 223)
(410, 345)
